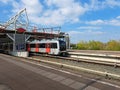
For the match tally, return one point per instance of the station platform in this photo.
(19, 53)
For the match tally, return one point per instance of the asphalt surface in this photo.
(16, 74)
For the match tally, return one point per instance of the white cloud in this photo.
(87, 32)
(5, 1)
(113, 22)
(96, 22)
(99, 4)
(89, 28)
(59, 3)
(94, 32)
(69, 11)
(58, 12)
(53, 12)
(112, 3)
(33, 8)
(74, 33)
(63, 11)
(87, 35)
(118, 17)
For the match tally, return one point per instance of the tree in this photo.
(73, 46)
(82, 45)
(113, 45)
(95, 45)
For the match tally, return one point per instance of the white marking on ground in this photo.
(51, 76)
(77, 85)
(59, 78)
(67, 81)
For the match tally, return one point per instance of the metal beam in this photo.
(11, 37)
(26, 38)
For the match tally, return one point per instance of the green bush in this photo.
(82, 45)
(113, 45)
(97, 45)
(73, 46)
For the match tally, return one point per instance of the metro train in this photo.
(53, 47)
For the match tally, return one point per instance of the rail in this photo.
(110, 60)
(106, 59)
(61, 62)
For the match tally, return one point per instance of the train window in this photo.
(48, 45)
(32, 45)
(42, 45)
(53, 45)
(62, 45)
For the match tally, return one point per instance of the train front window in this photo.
(62, 45)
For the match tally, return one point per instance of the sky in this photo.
(83, 20)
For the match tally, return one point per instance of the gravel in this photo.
(93, 66)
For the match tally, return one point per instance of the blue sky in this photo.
(81, 19)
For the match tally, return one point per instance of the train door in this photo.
(47, 47)
(54, 48)
(37, 47)
(28, 47)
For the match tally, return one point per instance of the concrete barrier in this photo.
(19, 53)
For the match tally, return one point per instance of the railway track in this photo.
(102, 59)
(96, 52)
(104, 69)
